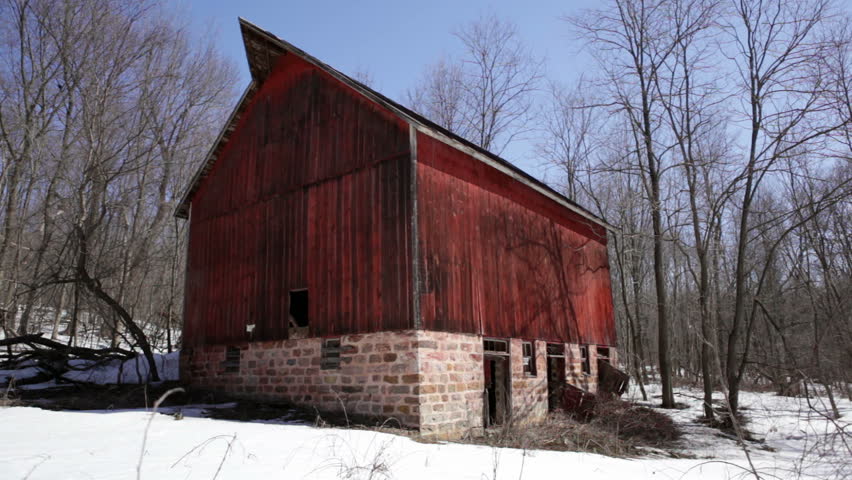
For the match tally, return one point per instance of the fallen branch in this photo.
(54, 359)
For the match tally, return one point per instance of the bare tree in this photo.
(485, 96)
(501, 74)
(780, 56)
(690, 100)
(569, 124)
(125, 106)
(634, 43)
(439, 96)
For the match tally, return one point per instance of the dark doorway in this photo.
(555, 375)
(298, 321)
(496, 405)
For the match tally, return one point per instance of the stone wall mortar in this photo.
(378, 374)
(452, 383)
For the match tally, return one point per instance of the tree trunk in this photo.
(57, 316)
(94, 286)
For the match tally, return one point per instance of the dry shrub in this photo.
(722, 421)
(635, 423)
(560, 432)
(615, 428)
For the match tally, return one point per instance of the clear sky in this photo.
(393, 40)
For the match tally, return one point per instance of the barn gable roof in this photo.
(263, 49)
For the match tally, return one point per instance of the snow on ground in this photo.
(796, 434)
(41, 444)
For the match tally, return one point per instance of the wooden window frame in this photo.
(501, 344)
(330, 354)
(232, 359)
(556, 350)
(585, 361)
(528, 358)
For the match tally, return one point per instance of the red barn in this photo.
(345, 251)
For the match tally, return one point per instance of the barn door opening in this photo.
(555, 374)
(495, 404)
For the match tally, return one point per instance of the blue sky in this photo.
(394, 40)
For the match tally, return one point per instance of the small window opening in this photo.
(584, 360)
(528, 349)
(330, 354)
(298, 322)
(232, 360)
(299, 308)
(555, 350)
(493, 346)
(603, 353)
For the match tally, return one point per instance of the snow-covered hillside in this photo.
(41, 444)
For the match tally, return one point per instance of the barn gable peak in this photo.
(262, 51)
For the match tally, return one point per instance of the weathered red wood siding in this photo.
(500, 259)
(311, 191)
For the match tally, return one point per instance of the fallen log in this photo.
(54, 359)
(37, 339)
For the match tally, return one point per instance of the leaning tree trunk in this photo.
(94, 286)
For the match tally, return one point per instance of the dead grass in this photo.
(636, 423)
(559, 432)
(615, 428)
(8, 397)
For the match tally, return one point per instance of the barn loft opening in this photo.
(298, 323)
(299, 308)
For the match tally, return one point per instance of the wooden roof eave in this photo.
(182, 210)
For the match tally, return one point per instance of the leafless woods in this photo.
(105, 106)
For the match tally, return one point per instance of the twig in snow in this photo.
(160, 400)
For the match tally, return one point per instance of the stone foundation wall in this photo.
(452, 383)
(378, 374)
(429, 380)
(529, 392)
(574, 366)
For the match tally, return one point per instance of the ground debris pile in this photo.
(614, 428)
(637, 423)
